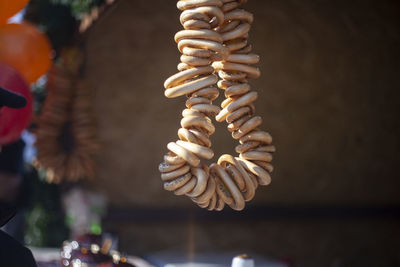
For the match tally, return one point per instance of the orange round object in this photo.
(8, 8)
(26, 49)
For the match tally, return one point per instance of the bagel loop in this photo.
(214, 39)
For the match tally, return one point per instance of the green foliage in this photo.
(36, 220)
(39, 94)
(78, 7)
(56, 20)
(45, 224)
(59, 18)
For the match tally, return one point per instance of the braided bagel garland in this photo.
(66, 134)
(215, 39)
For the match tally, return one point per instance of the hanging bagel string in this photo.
(66, 133)
(214, 39)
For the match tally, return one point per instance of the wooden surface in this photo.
(328, 94)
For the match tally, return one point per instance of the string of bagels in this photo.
(216, 55)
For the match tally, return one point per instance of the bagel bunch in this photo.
(216, 54)
(66, 134)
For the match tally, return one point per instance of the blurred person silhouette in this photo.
(12, 252)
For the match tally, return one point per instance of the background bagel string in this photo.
(215, 39)
(66, 128)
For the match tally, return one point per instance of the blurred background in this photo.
(328, 94)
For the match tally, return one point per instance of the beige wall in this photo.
(328, 95)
